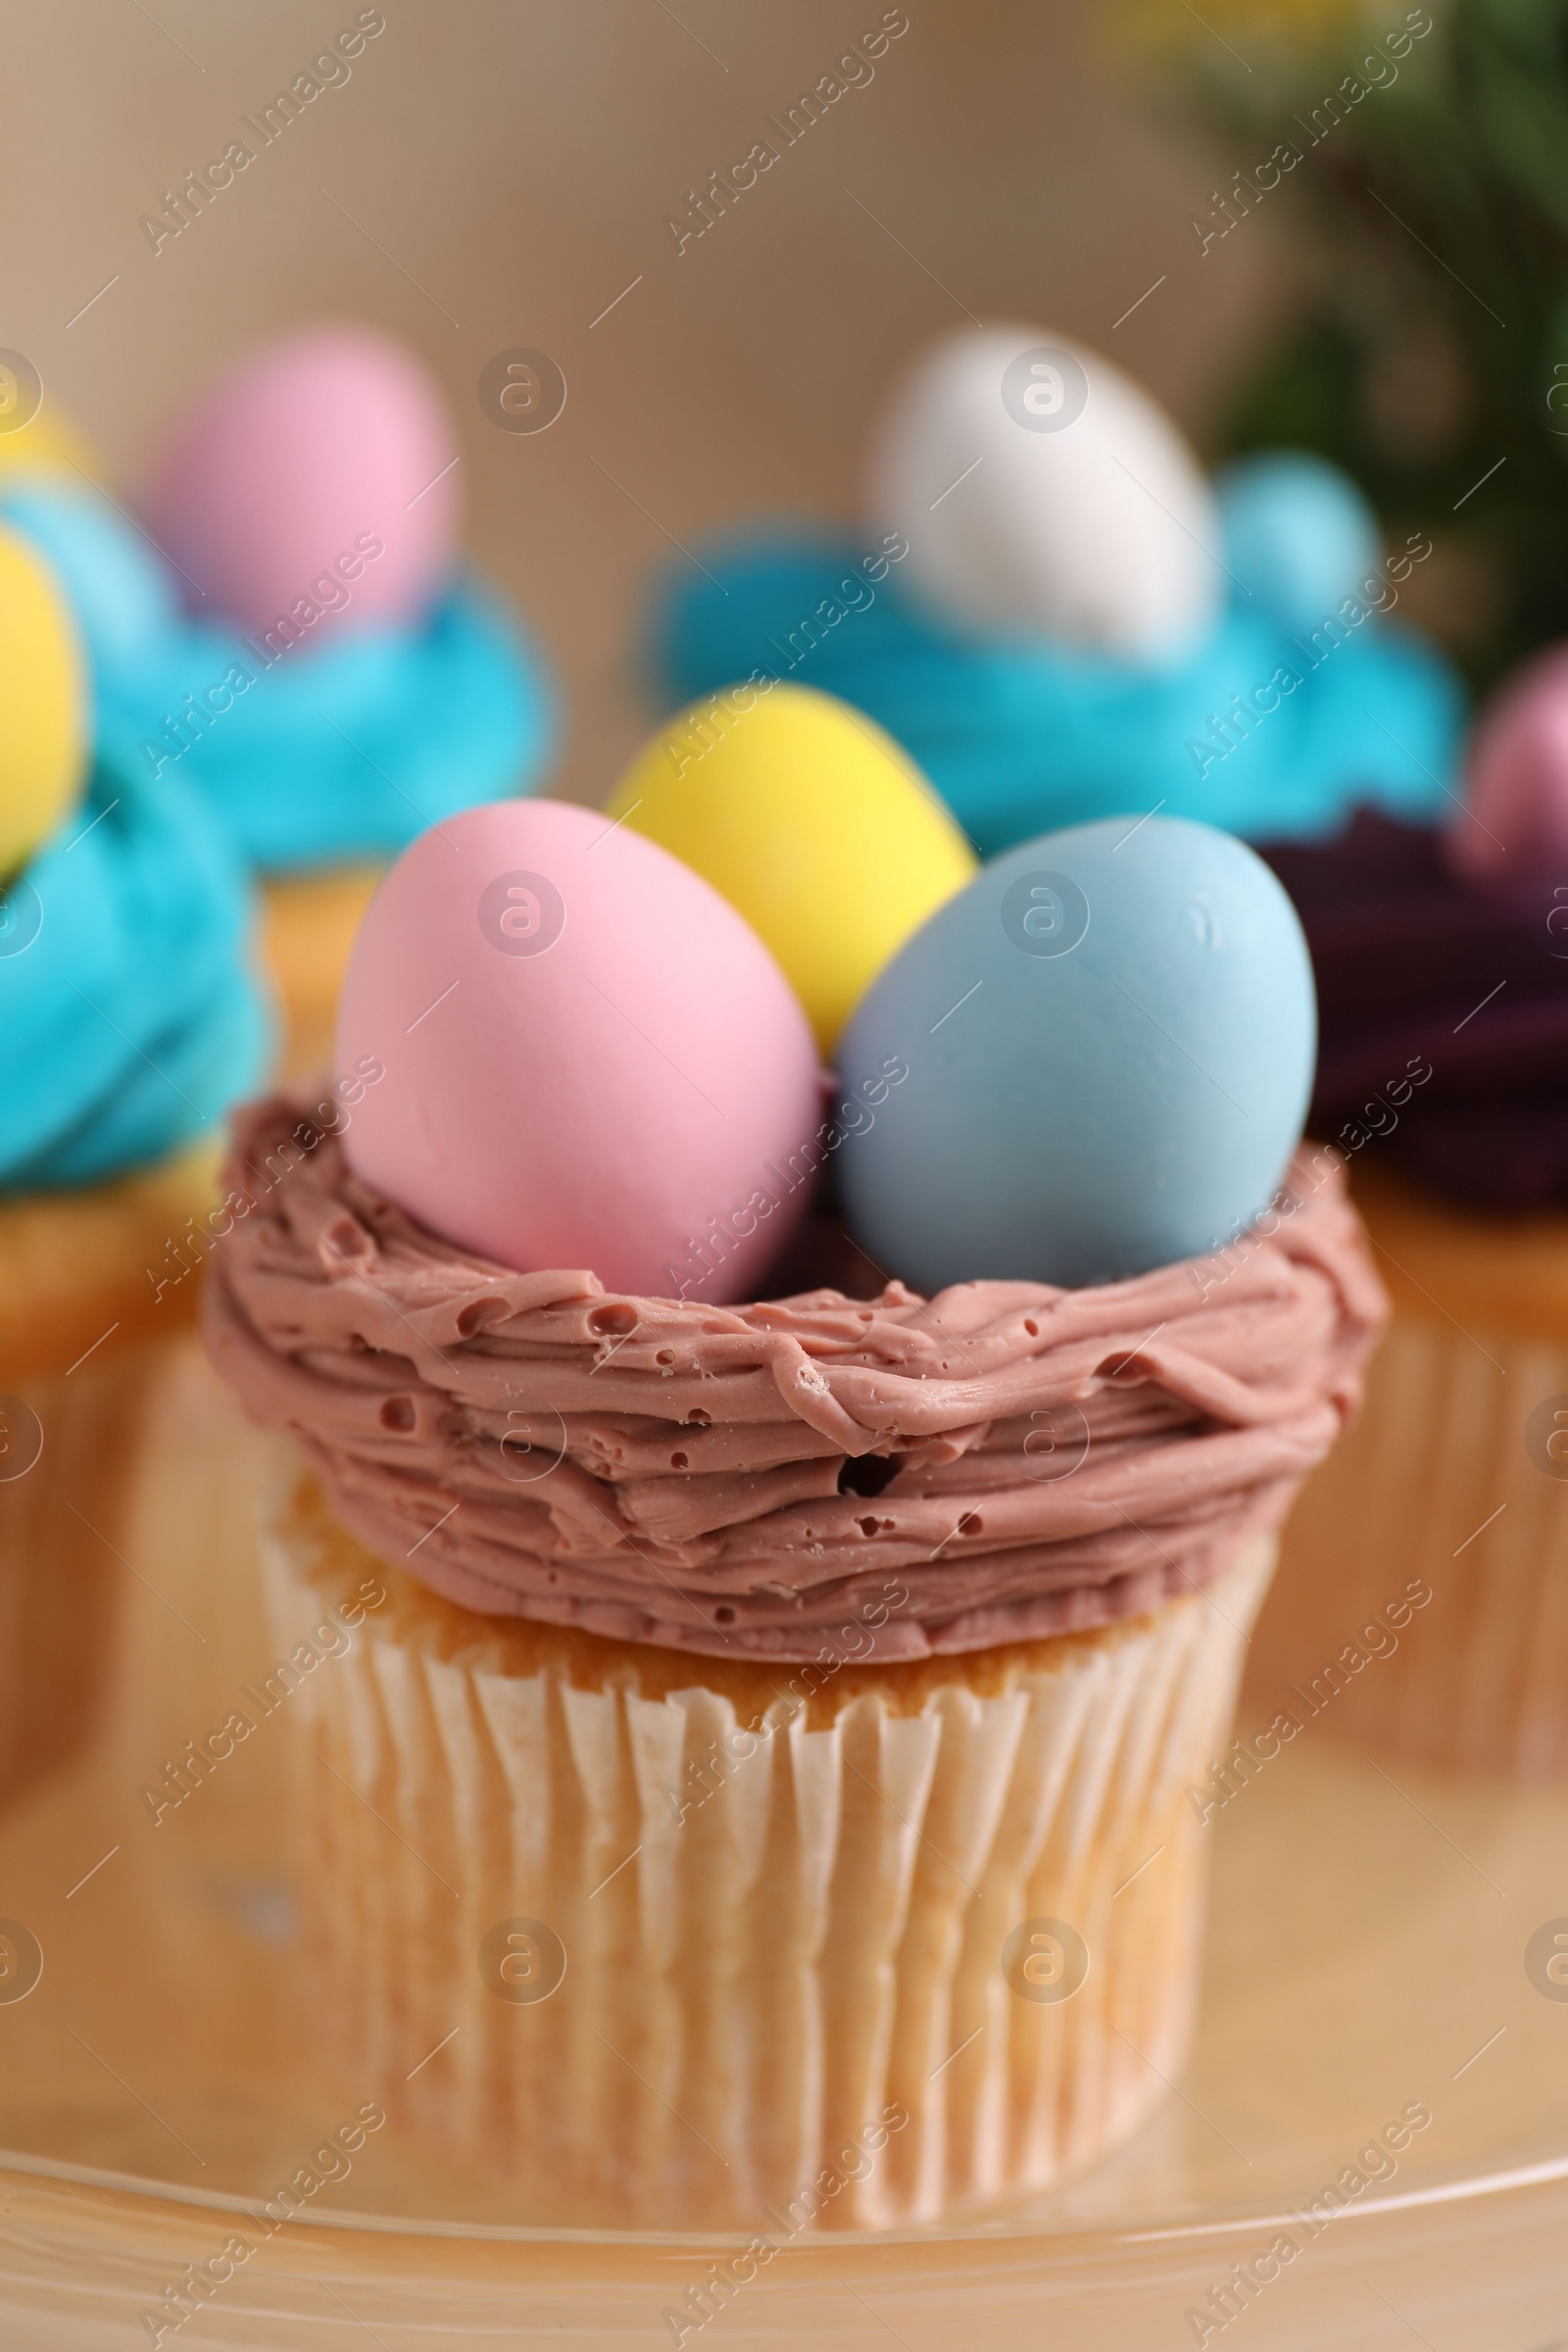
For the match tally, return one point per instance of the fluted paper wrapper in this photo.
(1438, 1523)
(846, 1962)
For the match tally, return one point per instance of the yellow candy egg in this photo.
(42, 703)
(812, 821)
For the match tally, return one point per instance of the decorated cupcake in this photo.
(1059, 619)
(759, 1569)
(130, 1020)
(1443, 1077)
(290, 635)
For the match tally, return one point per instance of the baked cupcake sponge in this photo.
(95, 1287)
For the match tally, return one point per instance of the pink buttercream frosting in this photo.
(1005, 1461)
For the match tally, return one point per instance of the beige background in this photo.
(510, 164)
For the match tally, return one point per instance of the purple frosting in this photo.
(1444, 1013)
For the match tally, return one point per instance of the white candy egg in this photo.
(1044, 494)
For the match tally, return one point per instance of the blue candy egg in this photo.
(1106, 1044)
(1298, 535)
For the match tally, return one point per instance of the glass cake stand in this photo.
(1380, 1939)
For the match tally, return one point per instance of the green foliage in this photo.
(1437, 344)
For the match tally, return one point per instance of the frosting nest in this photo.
(1005, 1461)
(1261, 732)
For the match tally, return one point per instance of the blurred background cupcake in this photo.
(1062, 619)
(130, 1020)
(288, 632)
(1442, 984)
(1425, 353)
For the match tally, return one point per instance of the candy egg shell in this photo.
(43, 718)
(1298, 535)
(1062, 506)
(1516, 819)
(591, 1059)
(812, 821)
(279, 485)
(1109, 1055)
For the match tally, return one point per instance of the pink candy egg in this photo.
(591, 1059)
(1517, 815)
(301, 492)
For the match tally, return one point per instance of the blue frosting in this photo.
(316, 758)
(1020, 737)
(129, 1016)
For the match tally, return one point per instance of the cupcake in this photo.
(1423, 1601)
(1061, 618)
(292, 636)
(744, 1723)
(128, 1022)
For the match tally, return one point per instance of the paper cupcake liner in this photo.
(70, 1446)
(917, 1940)
(1422, 1602)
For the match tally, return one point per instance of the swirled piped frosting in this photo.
(1253, 730)
(1443, 1009)
(130, 1017)
(1005, 1461)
